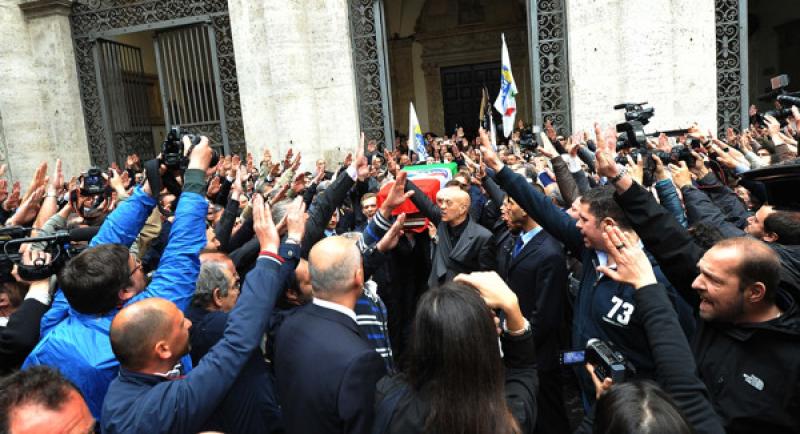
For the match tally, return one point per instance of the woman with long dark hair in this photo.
(455, 380)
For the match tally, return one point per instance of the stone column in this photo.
(295, 72)
(662, 52)
(402, 78)
(61, 128)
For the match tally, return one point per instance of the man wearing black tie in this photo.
(533, 264)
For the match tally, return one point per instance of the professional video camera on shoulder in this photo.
(59, 245)
(782, 98)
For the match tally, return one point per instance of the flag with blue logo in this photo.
(506, 102)
(415, 140)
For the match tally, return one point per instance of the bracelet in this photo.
(619, 176)
(292, 240)
(524, 330)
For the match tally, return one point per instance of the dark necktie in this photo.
(517, 247)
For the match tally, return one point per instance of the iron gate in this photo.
(188, 73)
(123, 92)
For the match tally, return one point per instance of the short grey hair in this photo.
(212, 276)
(279, 210)
(336, 278)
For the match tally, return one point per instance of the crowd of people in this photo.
(246, 296)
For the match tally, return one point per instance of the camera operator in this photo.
(679, 404)
(106, 277)
(20, 333)
(747, 330)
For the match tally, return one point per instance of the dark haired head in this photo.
(705, 235)
(759, 263)
(785, 225)
(453, 353)
(602, 205)
(92, 280)
(39, 385)
(638, 407)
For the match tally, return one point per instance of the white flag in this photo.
(415, 140)
(506, 102)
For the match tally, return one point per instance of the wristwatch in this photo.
(619, 176)
(292, 240)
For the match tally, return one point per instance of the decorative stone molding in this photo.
(45, 8)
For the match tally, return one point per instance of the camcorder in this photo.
(175, 158)
(91, 199)
(633, 141)
(781, 98)
(172, 152)
(607, 361)
(59, 246)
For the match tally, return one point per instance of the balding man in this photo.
(326, 369)
(150, 336)
(463, 245)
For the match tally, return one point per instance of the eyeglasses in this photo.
(137, 264)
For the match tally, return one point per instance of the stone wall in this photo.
(40, 105)
(296, 77)
(663, 52)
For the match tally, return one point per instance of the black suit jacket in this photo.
(538, 275)
(326, 373)
(20, 335)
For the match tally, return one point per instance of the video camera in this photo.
(634, 140)
(172, 154)
(607, 361)
(784, 99)
(58, 246)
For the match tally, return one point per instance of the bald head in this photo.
(335, 267)
(454, 204)
(137, 328)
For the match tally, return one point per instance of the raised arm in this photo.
(204, 387)
(180, 263)
(555, 221)
(424, 203)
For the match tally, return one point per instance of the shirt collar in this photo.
(335, 306)
(527, 236)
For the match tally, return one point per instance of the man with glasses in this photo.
(96, 284)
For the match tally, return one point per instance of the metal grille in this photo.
(732, 99)
(92, 19)
(124, 89)
(547, 28)
(367, 30)
(189, 79)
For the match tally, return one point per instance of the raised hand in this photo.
(604, 155)
(264, 227)
(392, 236)
(56, 181)
(633, 266)
(496, 294)
(13, 199)
(489, 156)
(296, 219)
(397, 195)
(681, 176)
(551, 131)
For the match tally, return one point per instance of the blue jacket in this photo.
(144, 403)
(604, 309)
(78, 344)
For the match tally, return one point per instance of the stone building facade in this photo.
(311, 74)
